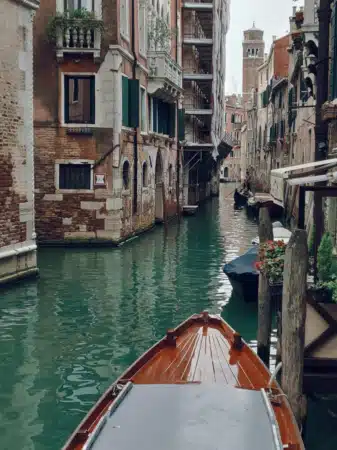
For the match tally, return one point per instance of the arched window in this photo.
(145, 174)
(248, 52)
(170, 175)
(126, 175)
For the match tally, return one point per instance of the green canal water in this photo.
(65, 337)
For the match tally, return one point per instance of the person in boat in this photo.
(248, 181)
(236, 196)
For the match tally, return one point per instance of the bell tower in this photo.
(252, 57)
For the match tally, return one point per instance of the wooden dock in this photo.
(307, 330)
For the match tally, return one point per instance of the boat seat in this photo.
(188, 417)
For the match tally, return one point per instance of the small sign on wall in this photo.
(100, 180)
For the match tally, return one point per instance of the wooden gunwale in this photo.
(231, 343)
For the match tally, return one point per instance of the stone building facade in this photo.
(272, 107)
(204, 29)
(106, 129)
(231, 166)
(17, 233)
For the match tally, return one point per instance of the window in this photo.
(75, 176)
(126, 175)
(79, 99)
(130, 102)
(71, 5)
(143, 116)
(163, 117)
(170, 174)
(124, 17)
(143, 27)
(145, 174)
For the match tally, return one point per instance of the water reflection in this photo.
(64, 338)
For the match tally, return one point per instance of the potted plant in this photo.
(325, 290)
(73, 19)
(271, 264)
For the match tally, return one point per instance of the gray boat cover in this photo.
(189, 417)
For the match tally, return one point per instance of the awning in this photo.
(298, 175)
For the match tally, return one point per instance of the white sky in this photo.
(272, 16)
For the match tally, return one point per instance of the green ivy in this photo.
(160, 33)
(324, 258)
(70, 19)
(312, 241)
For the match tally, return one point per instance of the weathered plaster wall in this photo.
(17, 234)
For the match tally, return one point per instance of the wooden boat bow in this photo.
(203, 358)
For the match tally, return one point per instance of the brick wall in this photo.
(16, 136)
(281, 57)
(102, 213)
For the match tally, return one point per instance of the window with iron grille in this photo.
(75, 176)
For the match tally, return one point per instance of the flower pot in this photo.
(320, 294)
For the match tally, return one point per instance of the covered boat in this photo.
(243, 275)
(200, 387)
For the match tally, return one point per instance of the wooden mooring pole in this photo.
(264, 307)
(293, 321)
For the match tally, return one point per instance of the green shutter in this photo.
(172, 120)
(66, 99)
(125, 101)
(181, 124)
(134, 100)
(233, 118)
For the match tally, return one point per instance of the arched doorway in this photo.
(159, 210)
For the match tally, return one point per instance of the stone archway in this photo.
(159, 179)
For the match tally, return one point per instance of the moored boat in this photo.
(190, 210)
(199, 387)
(243, 274)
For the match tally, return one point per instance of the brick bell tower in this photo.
(252, 57)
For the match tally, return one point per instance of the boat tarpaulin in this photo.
(244, 264)
(190, 417)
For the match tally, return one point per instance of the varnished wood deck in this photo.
(203, 354)
(204, 349)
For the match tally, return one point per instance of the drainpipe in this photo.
(321, 128)
(135, 148)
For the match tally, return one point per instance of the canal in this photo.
(65, 337)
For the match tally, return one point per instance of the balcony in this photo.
(198, 5)
(165, 76)
(76, 35)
